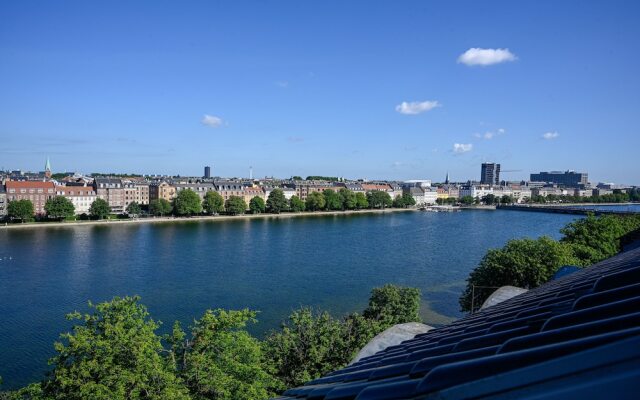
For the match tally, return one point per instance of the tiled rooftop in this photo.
(575, 337)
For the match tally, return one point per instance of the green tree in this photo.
(315, 201)
(489, 199)
(222, 360)
(235, 205)
(333, 201)
(306, 347)
(409, 201)
(213, 203)
(99, 209)
(160, 207)
(467, 200)
(595, 238)
(134, 209)
(406, 200)
(20, 209)
(348, 199)
(256, 205)
(187, 202)
(398, 202)
(525, 263)
(507, 199)
(112, 354)
(361, 201)
(276, 202)
(296, 204)
(59, 207)
(311, 344)
(390, 305)
(379, 199)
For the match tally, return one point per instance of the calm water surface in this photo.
(275, 266)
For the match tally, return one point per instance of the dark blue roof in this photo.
(574, 337)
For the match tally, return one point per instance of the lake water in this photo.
(272, 265)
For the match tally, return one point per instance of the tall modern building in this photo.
(490, 174)
(207, 172)
(566, 178)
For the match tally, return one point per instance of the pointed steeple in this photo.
(447, 178)
(47, 169)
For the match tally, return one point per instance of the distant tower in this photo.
(207, 172)
(446, 180)
(250, 173)
(47, 169)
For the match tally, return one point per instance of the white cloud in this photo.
(460, 148)
(550, 135)
(212, 121)
(484, 57)
(489, 134)
(416, 107)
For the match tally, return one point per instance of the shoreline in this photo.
(199, 218)
(630, 203)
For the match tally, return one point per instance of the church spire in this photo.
(447, 178)
(47, 168)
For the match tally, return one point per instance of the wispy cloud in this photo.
(416, 107)
(550, 135)
(295, 139)
(484, 57)
(459, 148)
(212, 121)
(282, 84)
(397, 164)
(490, 134)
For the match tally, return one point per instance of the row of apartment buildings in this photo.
(120, 192)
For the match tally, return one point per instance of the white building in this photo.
(81, 196)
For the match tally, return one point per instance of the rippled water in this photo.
(274, 265)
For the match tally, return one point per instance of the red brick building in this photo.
(35, 191)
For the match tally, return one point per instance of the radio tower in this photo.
(251, 173)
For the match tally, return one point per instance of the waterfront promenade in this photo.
(220, 218)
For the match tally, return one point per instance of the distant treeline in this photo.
(632, 195)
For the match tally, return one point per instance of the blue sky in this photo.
(301, 88)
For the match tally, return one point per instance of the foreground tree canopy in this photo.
(115, 353)
(529, 263)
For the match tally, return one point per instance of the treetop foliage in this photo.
(114, 352)
(529, 263)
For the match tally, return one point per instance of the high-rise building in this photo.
(207, 172)
(566, 178)
(490, 174)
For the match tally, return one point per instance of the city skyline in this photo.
(386, 91)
